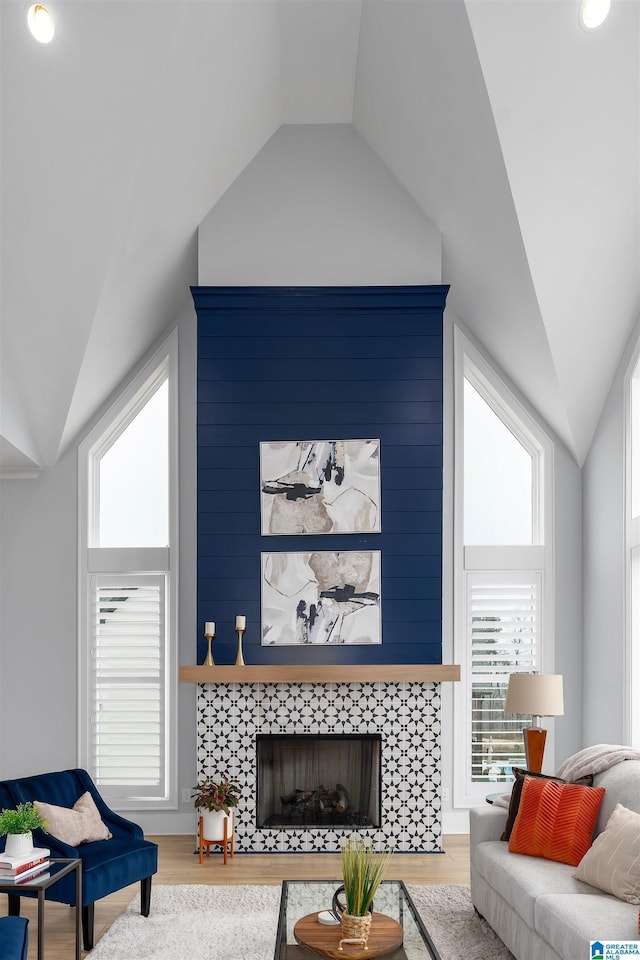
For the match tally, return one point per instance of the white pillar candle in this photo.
(241, 622)
(209, 629)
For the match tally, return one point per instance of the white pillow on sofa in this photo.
(612, 863)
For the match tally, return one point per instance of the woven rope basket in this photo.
(356, 927)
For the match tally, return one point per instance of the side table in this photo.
(37, 886)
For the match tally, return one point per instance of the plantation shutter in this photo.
(128, 656)
(503, 624)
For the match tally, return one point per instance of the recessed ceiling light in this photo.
(40, 23)
(593, 13)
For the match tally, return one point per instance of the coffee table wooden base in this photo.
(323, 940)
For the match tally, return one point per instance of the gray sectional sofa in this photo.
(537, 908)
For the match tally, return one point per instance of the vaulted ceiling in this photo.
(514, 130)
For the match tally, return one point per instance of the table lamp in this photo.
(537, 695)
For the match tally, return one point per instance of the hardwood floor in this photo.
(178, 864)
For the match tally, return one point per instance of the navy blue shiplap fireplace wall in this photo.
(307, 363)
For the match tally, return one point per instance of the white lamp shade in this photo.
(535, 694)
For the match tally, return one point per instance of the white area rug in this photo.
(200, 922)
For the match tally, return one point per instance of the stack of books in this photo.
(16, 870)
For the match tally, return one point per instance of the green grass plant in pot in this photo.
(363, 869)
(17, 825)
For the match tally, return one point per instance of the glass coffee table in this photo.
(302, 897)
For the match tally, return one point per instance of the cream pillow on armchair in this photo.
(80, 824)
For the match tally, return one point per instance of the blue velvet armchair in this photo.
(107, 865)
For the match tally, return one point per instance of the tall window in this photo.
(502, 590)
(632, 538)
(128, 592)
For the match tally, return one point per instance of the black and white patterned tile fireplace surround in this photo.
(405, 714)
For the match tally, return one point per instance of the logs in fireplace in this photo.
(293, 773)
(325, 805)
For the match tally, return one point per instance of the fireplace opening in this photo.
(317, 780)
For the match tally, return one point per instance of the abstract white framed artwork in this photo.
(321, 597)
(319, 486)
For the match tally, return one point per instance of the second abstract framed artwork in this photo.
(321, 597)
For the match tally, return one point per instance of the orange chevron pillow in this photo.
(555, 820)
(519, 774)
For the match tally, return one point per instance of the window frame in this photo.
(470, 363)
(631, 718)
(153, 561)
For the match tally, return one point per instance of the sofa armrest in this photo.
(486, 823)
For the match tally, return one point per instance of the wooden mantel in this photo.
(322, 673)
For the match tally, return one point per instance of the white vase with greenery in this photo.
(17, 826)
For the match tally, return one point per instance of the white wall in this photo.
(38, 608)
(316, 206)
(568, 732)
(604, 597)
(38, 525)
